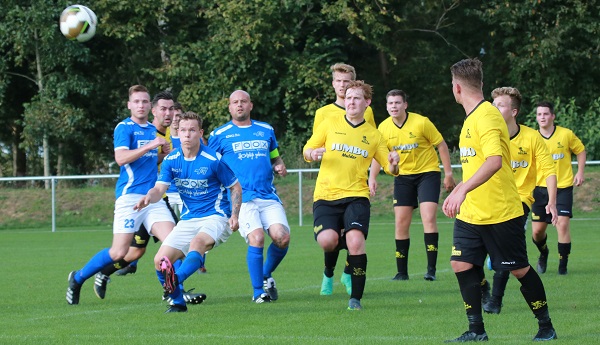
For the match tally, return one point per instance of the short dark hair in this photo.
(177, 106)
(547, 104)
(162, 95)
(469, 71)
(190, 115)
(396, 92)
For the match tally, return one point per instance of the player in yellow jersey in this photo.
(342, 75)
(529, 158)
(487, 207)
(346, 146)
(561, 143)
(415, 138)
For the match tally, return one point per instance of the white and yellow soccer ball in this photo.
(78, 23)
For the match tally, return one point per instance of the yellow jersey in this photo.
(561, 144)
(485, 134)
(349, 151)
(529, 157)
(334, 110)
(415, 142)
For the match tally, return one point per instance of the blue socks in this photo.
(254, 258)
(95, 265)
(191, 264)
(274, 257)
(133, 263)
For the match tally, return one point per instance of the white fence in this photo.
(54, 179)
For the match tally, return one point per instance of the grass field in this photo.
(36, 264)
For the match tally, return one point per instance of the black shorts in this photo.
(141, 237)
(564, 204)
(347, 213)
(505, 242)
(410, 190)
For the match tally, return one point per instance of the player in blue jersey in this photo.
(136, 151)
(207, 219)
(250, 148)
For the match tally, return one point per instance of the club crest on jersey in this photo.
(201, 171)
(364, 140)
(522, 151)
(559, 145)
(259, 134)
(411, 135)
(349, 151)
(468, 136)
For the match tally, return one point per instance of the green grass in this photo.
(36, 264)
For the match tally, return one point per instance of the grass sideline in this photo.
(36, 264)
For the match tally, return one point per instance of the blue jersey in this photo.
(247, 151)
(139, 176)
(201, 182)
(175, 144)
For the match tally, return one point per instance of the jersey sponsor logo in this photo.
(557, 156)
(141, 142)
(176, 170)
(138, 133)
(191, 183)
(251, 155)
(341, 133)
(507, 263)
(406, 147)
(465, 153)
(232, 135)
(250, 145)
(519, 164)
(456, 252)
(347, 149)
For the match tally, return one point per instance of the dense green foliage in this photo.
(73, 94)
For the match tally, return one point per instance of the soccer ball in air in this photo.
(78, 23)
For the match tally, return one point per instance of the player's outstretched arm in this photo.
(313, 155)
(125, 156)
(153, 195)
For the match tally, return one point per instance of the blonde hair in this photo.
(342, 68)
(513, 93)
